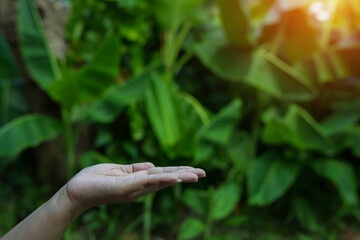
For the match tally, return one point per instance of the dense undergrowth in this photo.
(264, 95)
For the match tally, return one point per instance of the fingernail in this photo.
(179, 180)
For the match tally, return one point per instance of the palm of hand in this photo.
(112, 183)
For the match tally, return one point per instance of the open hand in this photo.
(113, 183)
(96, 185)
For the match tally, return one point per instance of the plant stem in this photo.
(209, 219)
(178, 192)
(147, 215)
(177, 213)
(130, 228)
(168, 75)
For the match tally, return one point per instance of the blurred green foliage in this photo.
(261, 94)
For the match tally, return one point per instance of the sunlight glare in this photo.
(321, 11)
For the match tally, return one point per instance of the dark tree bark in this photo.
(50, 156)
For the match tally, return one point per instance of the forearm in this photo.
(96, 185)
(48, 222)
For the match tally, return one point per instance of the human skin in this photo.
(97, 185)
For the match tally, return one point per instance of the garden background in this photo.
(262, 94)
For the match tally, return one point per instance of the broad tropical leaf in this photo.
(218, 130)
(10, 87)
(91, 158)
(297, 46)
(225, 199)
(354, 140)
(306, 214)
(163, 113)
(37, 55)
(110, 105)
(89, 83)
(260, 9)
(241, 149)
(297, 128)
(190, 229)
(305, 126)
(27, 131)
(174, 12)
(330, 65)
(235, 17)
(258, 68)
(346, 116)
(197, 200)
(192, 117)
(8, 68)
(342, 175)
(269, 178)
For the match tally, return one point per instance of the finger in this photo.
(136, 167)
(167, 169)
(197, 171)
(201, 173)
(133, 183)
(186, 176)
(164, 178)
(157, 170)
(152, 186)
(148, 189)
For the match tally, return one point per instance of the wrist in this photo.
(66, 206)
(50, 221)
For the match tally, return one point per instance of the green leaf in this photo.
(236, 22)
(10, 89)
(269, 178)
(306, 215)
(117, 97)
(27, 131)
(198, 112)
(258, 68)
(91, 158)
(346, 116)
(305, 126)
(192, 114)
(174, 12)
(297, 46)
(197, 200)
(35, 50)
(297, 128)
(236, 220)
(204, 151)
(163, 113)
(220, 127)
(217, 130)
(354, 140)
(276, 132)
(191, 118)
(225, 199)
(240, 148)
(191, 228)
(328, 66)
(8, 68)
(89, 83)
(342, 175)
(260, 10)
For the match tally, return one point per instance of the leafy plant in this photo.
(268, 106)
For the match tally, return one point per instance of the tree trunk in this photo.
(51, 157)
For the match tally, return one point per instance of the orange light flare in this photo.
(322, 11)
